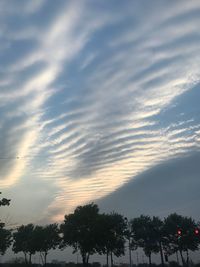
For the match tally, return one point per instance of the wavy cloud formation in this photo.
(94, 93)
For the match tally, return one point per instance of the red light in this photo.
(196, 231)
(179, 232)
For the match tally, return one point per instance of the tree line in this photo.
(88, 231)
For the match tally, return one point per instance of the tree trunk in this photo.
(87, 259)
(42, 258)
(187, 258)
(45, 258)
(177, 258)
(30, 255)
(107, 255)
(182, 258)
(161, 254)
(25, 258)
(150, 260)
(84, 259)
(111, 257)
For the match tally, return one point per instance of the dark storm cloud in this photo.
(169, 187)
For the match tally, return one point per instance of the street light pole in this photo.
(129, 240)
(130, 258)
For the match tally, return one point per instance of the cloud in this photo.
(34, 91)
(169, 187)
(91, 96)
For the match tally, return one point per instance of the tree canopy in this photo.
(180, 235)
(5, 238)
(88, 232)
(4, 201)
(111, 235)
(79, 230)
(24, 241)
(145, 235)
(5, 235)
(46, 238)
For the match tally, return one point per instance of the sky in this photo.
(99, 101)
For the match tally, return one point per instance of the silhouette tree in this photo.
(157, 231)
(80, 231)
(132, 244)
(180, 235)
(4, 201)
(5, 235)
(25, 241)
(46, 238)
(5, 238)
(144, 235)
(111, 235)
